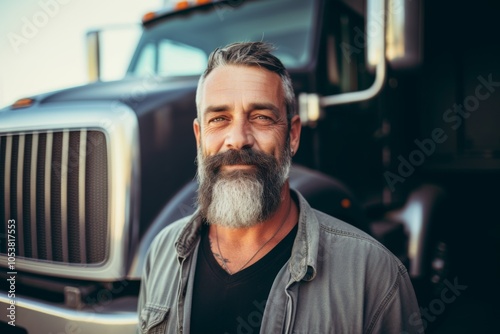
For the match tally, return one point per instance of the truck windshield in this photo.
(180, 44)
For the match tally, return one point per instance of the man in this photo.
(255, 257)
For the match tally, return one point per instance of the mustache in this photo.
(240, 157)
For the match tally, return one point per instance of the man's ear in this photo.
(197, 129)
(295, 128)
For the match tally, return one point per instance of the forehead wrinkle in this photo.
(255, 89)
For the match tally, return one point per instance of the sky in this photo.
(42, 42)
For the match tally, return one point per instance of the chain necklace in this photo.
(223, 261)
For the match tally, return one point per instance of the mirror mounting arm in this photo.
(376, 21)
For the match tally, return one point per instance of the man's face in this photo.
(243, 145)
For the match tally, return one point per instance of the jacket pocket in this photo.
(154, 320)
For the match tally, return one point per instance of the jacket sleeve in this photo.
(399, 312)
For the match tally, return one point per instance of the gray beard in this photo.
(241, 198)
(236, 201)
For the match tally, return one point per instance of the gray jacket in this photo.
(338, 280)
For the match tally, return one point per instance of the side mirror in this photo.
(404, 33)
(109, 50)
(93, 55)
(393, 35)
(376, 19)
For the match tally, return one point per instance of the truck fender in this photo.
(420, 216)
(182, 204)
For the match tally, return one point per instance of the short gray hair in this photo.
(250, 54)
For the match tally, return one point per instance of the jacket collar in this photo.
(303, 261)
(189, 236)
(302, 264)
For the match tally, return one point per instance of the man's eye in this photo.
(263, 119)
(216, 120)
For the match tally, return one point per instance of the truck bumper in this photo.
(37, 316)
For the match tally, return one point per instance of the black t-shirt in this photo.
(224, 303)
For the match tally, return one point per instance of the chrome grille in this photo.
(54, 184)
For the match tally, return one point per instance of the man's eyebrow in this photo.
(266, 106)
(216, 108)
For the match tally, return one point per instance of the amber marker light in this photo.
(345, 203)
(23, 103)
(181, 5)
(148, 16)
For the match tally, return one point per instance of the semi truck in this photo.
(400, 139)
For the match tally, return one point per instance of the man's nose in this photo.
(240, 135)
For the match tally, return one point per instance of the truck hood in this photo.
(140, 94)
